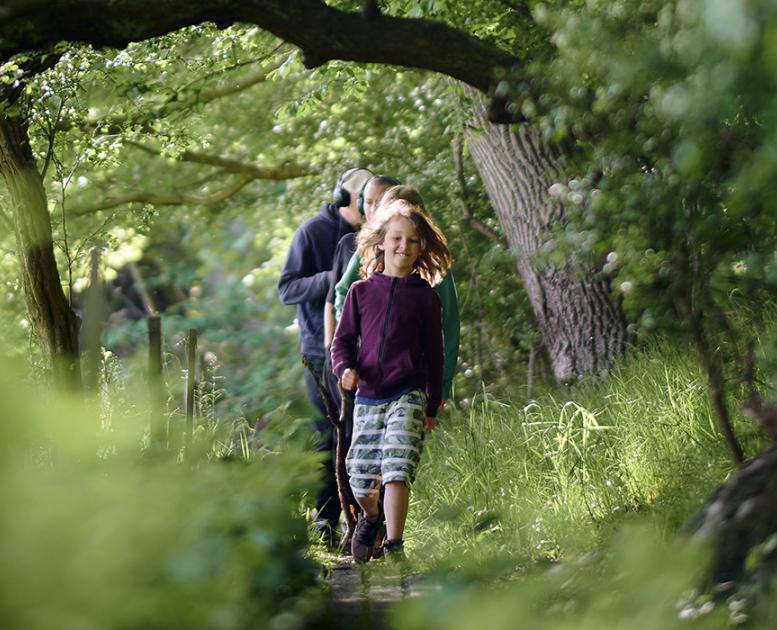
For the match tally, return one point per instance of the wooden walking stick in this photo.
(348, 503)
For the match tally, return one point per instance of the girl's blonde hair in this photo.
(434, 258)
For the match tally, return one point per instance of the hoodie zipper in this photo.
(385, 329)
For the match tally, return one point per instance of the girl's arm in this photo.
(345, 343)
(350, 276)
(433, 352)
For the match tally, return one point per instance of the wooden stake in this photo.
(155, 384)
(191, 378)
(95, 310)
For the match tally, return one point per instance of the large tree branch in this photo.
(157, 199)
(225, 88)
(322, 32)
(246, 172)
(284, 171)
(180, 101)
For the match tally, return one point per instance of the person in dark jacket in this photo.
(389, 345)
(304, 281)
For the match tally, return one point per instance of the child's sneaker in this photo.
(364, 537)
(394, 550)
(377, 546)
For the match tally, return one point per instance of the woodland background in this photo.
(604, 173)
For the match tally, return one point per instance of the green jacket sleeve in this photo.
(451, 328)
(350, 276)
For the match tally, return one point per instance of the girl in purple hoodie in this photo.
(389, 346)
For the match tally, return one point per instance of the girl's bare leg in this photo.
(369, 504)
(395, 504)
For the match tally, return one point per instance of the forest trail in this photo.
(363, 596)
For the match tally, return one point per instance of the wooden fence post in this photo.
(94, 321)
(155, 384)
(191, 377)
(203, 388)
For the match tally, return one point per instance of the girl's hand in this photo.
(429, 424)
(350, 379)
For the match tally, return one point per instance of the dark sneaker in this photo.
(364, 535)
(394, 550)
(377, 546)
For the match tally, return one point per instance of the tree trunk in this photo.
(51, 317)
(583, 329)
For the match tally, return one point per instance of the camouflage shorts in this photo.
(387, 443)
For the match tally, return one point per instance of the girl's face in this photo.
(401, 247)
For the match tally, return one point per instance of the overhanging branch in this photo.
(245, 171)
(255, 171)
(322, 32)
(180, 101)
(156, 199)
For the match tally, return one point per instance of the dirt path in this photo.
(364, 595)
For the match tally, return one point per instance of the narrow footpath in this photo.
(363, 595)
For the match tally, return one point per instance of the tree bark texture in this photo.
(583, 329)
(51, 317)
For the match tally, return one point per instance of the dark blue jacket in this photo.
(306, 275)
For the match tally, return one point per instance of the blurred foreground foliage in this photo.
(638, 581)
(100, 533)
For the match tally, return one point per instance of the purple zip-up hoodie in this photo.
(390, 332)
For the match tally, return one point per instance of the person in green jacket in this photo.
(446, 290)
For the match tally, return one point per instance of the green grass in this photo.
(506, 489)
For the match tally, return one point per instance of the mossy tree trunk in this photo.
(53, 321)
(582, 327)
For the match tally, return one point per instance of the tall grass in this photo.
(575, 498)
(552, 477)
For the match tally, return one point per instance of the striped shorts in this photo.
(387, 443)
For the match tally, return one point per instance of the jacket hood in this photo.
(331, 211)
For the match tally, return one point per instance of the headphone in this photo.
(386, 179)
(342, 196)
